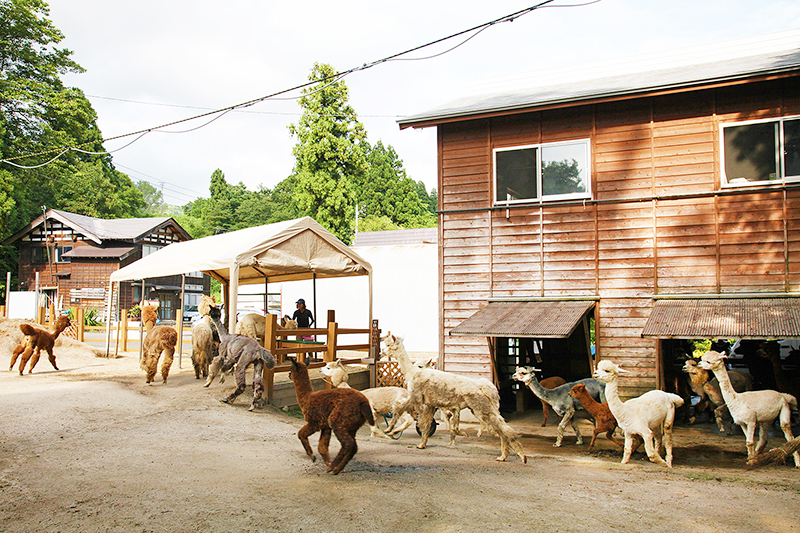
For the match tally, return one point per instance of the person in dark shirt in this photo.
(303, 316)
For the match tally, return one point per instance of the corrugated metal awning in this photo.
(726, 318)
(537, 319)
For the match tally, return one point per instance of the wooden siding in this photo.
(658, 221)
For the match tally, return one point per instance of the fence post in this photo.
(124, 325)
(270, 343)
(52, 314)
(374, 352)
(40, 316)
(79, 319)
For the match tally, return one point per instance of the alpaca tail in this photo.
(266, 356)
(792, 401)
(27, 329)
(676, 400)
(366, 410)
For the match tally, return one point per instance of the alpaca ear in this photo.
(308, 360)
(623, 371)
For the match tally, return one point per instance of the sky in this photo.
(149, 63)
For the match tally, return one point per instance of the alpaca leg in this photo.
(14, 356)
(750, 439)
(669, 422)
(406, 420)
(628, 448)
(508, 437)
(425, 420)
(23, 360)
(324, 445)
(374, 430)
(303, 434)
(545, 412)
(610, 436)
(577, 430)
(454, 422)
(562, 427)
(347, 451)
(239, 374)
(51, 358)
(763, 436)
(719, 413)
(169, 354)
(214, 370)
(258, 383)
(35, 359)
(652, 451)
(597, 431)
(786, 427)
(151, 366)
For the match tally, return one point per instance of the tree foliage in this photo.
(40, 118)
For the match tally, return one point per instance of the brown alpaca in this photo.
(341, 411)
(771, 351)
(160, 340)
(35, 341)
(603, 419)
(549, 383)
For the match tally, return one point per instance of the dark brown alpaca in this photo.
(37, 340)
(771, 351)
(604, 420)
(341, 411)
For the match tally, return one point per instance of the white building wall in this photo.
(405, 288)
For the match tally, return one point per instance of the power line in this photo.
(332, 79)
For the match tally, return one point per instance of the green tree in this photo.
(562, 177)
(329, 154)
(153, 198)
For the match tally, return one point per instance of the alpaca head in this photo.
(62, 323)
(425, 362)
(690, 366)
(392, 343)
(298, 371)
(770, 350)
(712, 360)
(288, 323)
(524, 374)
(578, 390)
(608, 371)
(149, 316)
(336, 372)
(206, 304)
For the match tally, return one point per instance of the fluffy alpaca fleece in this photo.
(239, 352)
(753, 409)
(160, 340)
(341, 411)
(603, 418)
(650, 415)
(204, 347)
(149, 317)
(254, 325)
(382, 400)
(702, 384)
(205, 305)
(36, 340)
(433, 389)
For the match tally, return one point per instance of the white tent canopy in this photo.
(283, 251)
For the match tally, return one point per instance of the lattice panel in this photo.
(389, 374)
(71, 331)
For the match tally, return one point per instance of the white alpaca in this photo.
(253, 325)
(650, 415)
(753, 408)
(382, 400)
(702, 385)
(433, 389)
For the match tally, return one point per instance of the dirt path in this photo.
(91, 448)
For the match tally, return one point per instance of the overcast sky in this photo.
(151, 62)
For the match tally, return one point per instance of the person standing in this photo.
(303, 317)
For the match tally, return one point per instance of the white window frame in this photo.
(587, 143)
(781, 163)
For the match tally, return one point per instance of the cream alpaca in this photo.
(753, 408)
(433, 389)
(650, 415)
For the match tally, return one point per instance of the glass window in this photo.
(761, 151)
(552, 171)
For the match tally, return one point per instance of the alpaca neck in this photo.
(724, 383)
(612, 396)
(220, 328)
(60, 326)
(403, 359)
(536, 387)
(586, 399)
(777, 369)
(302, 387)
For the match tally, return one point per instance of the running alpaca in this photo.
(650, 415)
(708, 387)
(204, 346)
(382, 400)
(160, 340)
(604, 420)
(549, 383)
(753, 408)
(433, 389)
(560, 400)
(242, 352)
(35, 341)
(341, 411)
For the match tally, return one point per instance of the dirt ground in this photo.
(92, 448)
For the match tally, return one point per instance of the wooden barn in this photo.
(74, 255)
(612, 217)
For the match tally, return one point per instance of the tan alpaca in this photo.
(35, 341)
(382, 400)
(204, 345)
(160, 340)
(433, 389)
(254, 326)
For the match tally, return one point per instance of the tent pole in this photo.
(234, 300)
(179, 317)
(370, 296)
(108, 317)
(314, 295)
(141, 322)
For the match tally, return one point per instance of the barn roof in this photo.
(749, 60)
(534, 319)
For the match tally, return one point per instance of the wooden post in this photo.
(330, 353)
(40, 316)
(179, 329)
(8, 293)
(331, 315)
(51, 311)
(374, 352)
(79, 319)
(124, 326)
(270, 343)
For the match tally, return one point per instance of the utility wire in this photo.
(332, 79)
